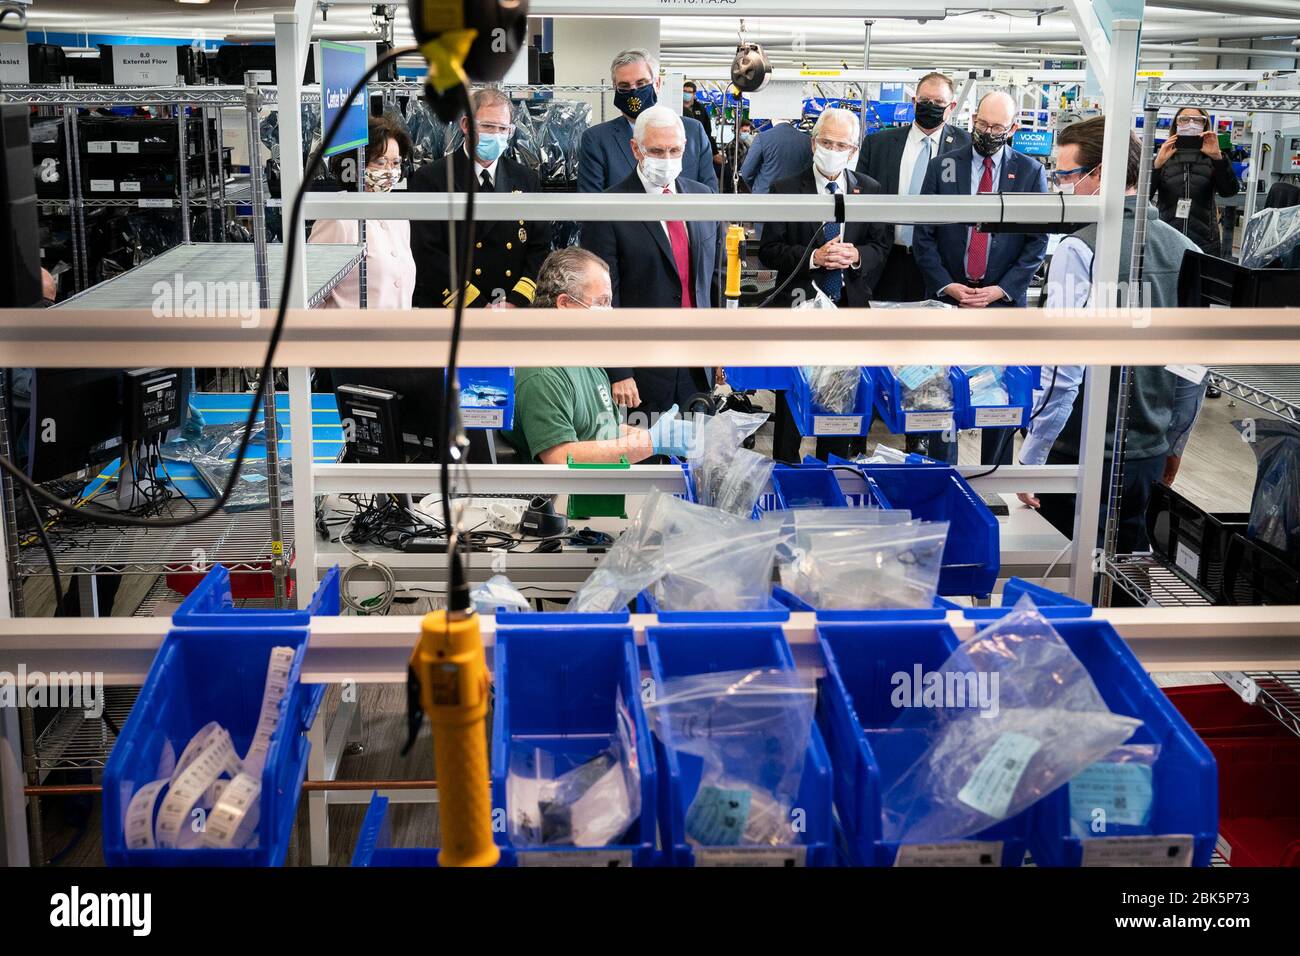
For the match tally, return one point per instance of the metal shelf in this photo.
(218, 263)
(161, 596)
(240, 540)
(1147, 579)
(1272, 388)
(73, 741)
(1261, 101)
(1278, 692)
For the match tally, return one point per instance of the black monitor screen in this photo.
(76, 421)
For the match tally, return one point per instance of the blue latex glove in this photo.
(671, 435)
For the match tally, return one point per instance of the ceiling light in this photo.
(192, 1)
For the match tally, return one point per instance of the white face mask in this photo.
(661, 172)
(1066, 189)
(1190, 128)
(831, 162)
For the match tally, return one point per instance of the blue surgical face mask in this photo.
(490, 147)
(633, 102)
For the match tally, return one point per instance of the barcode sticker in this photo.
(575, 857)
(994, 415)
(961, 853)
(1188, 560)
(837, 424)
(102, 185)
(483, 417)
(100, 146)
(128, 146)
(993, 782)
(927, 421)
(761, 856)
(1138, 851)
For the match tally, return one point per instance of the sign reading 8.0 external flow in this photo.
(342, 64)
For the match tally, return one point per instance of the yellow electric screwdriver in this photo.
(735, 236)
(448, 672)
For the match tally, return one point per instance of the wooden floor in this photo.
(1218, 474)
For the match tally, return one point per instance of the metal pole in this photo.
(863, 86)
(183, 177)
(361, 229)
(76, 217)
(1256, 175)
(221, 170)
(209, 193)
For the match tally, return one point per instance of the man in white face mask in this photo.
(666, 265)
(846, 259)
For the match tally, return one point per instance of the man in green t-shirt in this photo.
(567, 412)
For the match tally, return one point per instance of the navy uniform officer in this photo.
(507, 253)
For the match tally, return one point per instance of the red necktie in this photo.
(682, 256)
(977, 253)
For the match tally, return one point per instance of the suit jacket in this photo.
(642, 270)
(605, 156)
(783, 244)
(507, 253)
(882, 152)
(940, 251)
(778, 152)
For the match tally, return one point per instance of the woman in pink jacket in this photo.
(390, 268)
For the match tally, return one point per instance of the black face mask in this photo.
(929, 114)
(986, 144)
(632, 102)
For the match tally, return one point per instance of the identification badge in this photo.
(523, 235)
(1184, 209)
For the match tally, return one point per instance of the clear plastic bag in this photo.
(717, 562)
(1113, 797)
(1275, 502)
(498, 593)
(887, 566)
(798, 525)
(1037, 720)
(591, 804)
(834, 387)
(924, 387)
(727, 476)
(923, 304)
(633, 562)
(987, 384)
(750, 729)
(1270, 234)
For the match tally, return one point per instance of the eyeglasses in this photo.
(627, 87)
(603, 302)
(384, 164)
(494, 129)
(664, 152)
(835, 145)
(983, 127)
(1057, 176)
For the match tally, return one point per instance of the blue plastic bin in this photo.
(743, 378)
(1019, 383)
(1185, 777)
(774, 613)
(812, 419)
(487, 397)
(936, 613)
(676, 651)
(556, 691)
(216, 670)
(938, 493)
(211, 604)
(815, 487)
(766, 500)
(889, 403)
(1016, 588)
(855, 713)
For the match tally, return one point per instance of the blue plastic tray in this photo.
(855, 712)
(815, 487)
(1186, 798)
(889, 404)
(936, 613)
(1019, 382)
(812, 419)
(675, 651)
(775, 613)
(216, 671)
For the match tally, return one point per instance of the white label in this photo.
(483, 417)
(261, 76)
(994, 416)
(128, 146)
(273, 203)
(927, 421)
(1224, 848)
(130, 186)
(152, 65)
(993, 782)
(155, 204)
(1183, 209)
(1193, 373)
(1138, 851)
(751, 856)
(961, 853)
(13, 63)
(575, 857)
(100, 146)
(102, 185)
(837, 424)
(1188, 560)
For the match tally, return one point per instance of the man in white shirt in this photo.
(897, 159)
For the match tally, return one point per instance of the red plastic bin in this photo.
(1259, 799)
(1216, 710)
(248, 584)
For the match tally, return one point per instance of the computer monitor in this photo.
(20, 247)
(410, 399)
(1033, 142)
(75, 421)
